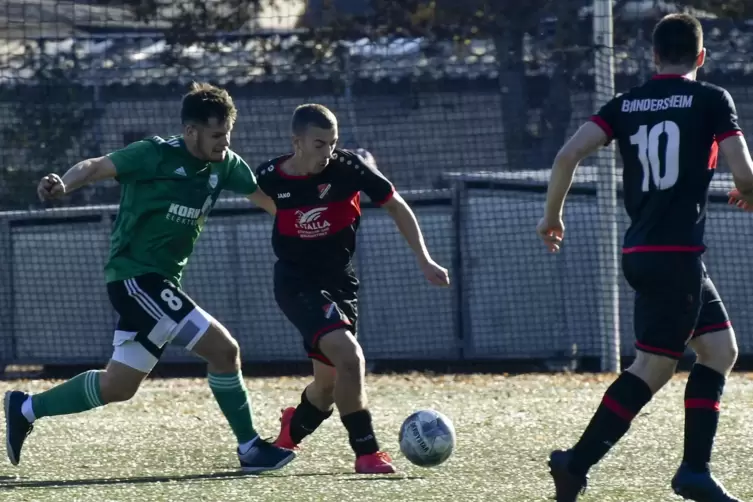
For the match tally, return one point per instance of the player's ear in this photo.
(189, 131)
(297, 144)
(701, 58)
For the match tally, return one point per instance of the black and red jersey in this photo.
(318, 215)
(668, 131)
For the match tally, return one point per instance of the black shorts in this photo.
(152, 312)
(315, 306)
(675, 301)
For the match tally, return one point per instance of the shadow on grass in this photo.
(11, 482)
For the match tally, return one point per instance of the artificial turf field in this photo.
(170, 443)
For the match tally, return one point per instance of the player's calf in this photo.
(622, 402)
(214, 344)
(83, 392)
(316, 406)
(717, 353)
(345, 353)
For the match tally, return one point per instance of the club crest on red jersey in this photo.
(324, 189)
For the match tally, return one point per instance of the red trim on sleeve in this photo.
(728, 134)
(386, 199)
(603, 124)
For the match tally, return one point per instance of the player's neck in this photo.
(297, 166)
(193, 150)
(684, 72)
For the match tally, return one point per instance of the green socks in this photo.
(80, 393)
(230, 393)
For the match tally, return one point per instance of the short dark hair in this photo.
(678, 39)
(314, 115)
(205, 101)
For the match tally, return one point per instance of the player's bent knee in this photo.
(219, 349)
(654, 369)
(717, 350)
(119, 382)
(344, 351)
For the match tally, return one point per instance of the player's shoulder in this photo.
(268, 168)
(233, 160)
(164, 143)
(351, 158)
(345, 156)
(713, 90)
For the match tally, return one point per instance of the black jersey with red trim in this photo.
(667, 131)
(318, 215)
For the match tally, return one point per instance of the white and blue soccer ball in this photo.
(427, 438)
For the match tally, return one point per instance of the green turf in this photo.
(170, 443)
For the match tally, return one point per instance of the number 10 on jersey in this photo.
(649, 155)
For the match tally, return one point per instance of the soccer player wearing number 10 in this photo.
(668, 131)
(168, 188)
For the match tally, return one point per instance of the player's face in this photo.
(213, 140)
(316, 146)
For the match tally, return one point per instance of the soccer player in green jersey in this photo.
(168, 188)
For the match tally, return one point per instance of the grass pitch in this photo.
(170, 443)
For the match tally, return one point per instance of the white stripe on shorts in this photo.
(144, 301)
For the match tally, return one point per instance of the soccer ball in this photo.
(427, 438)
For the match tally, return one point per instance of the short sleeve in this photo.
(606, 118)
(136, 162)
(240, 179)
(263, 178)
(367, 177)
(725, 117)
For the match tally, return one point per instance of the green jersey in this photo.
(165, 198)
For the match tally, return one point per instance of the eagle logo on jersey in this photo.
(213, 179)
(311, 224)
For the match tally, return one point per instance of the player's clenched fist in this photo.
(435, 274)
(50, 187)
(735, 198)
(551, 232)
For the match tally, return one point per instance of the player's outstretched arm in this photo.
(264, 201)
(84, 173)
(408, 225)
(586, 140)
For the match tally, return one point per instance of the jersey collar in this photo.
(665, 76)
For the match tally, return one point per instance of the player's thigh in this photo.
(312, 310)
(667, 300)
(714, 340)
(152, 313)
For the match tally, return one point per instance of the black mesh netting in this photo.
(464, 110)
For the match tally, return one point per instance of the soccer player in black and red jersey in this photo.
(317, 193)
(668, 131)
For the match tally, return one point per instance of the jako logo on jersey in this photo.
(310, 224)
(323, 189)
(284, 195)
